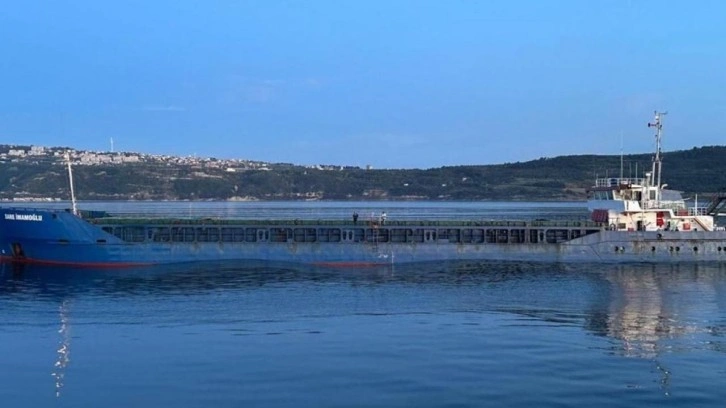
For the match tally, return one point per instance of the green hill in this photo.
(699, 170)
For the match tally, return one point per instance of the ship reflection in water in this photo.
(654, 309)
(655, 312)
(561, 319)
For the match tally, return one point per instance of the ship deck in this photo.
(157, 221)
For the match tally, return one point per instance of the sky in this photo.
(386, 83)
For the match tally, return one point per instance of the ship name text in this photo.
(24, 217)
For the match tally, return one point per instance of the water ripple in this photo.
(469, 334)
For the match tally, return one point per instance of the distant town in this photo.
(31, 173)
(11, 153)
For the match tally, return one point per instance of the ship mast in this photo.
(657, 164)
(70, 179)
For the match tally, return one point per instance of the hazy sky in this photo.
(391, 83)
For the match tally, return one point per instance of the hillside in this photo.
(699, 170)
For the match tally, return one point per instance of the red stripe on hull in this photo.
(10, 259)
(350, 264)
(120, 265)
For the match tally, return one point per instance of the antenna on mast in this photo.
(621, 155)
(657, 163)
(70, 179)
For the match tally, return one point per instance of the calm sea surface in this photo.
(427, 335)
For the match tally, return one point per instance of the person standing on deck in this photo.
(355, 217)
(383, 217)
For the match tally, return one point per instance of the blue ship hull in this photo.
(60, 237)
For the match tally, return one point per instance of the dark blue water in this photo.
(431, 335)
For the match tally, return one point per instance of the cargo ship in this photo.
(632, 220)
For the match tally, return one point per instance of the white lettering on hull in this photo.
(23, 217)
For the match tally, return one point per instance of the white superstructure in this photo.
(644, 204)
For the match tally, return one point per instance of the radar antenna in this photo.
(657, 163)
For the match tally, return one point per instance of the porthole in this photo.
(678, 249)
(670, 249)
(652, 249)
(695, 249)
(719, 249)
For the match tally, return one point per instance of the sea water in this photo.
(245, 334)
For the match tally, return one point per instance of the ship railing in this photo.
(171, 221)
(678, 207)
(617, 181)
(696, 211)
